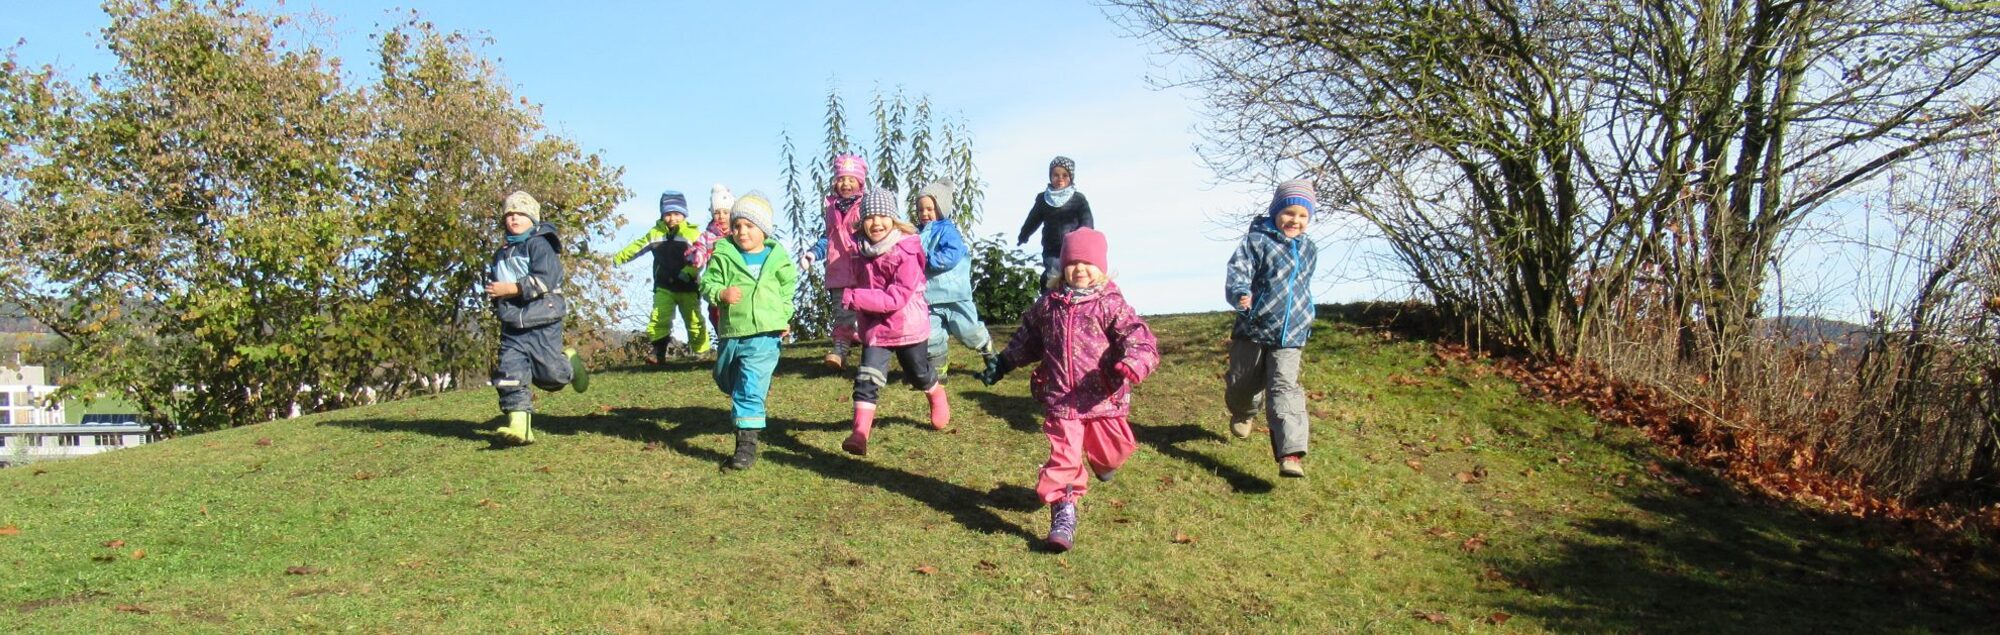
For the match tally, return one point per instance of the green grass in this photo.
(405, 517)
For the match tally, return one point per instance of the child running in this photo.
(1093, 349)
(1058, 211)
(524, 283)
(948, 287)
(841, 212)
(752, 279)
(674, 283)
(1270, 286)
(888, 297)
(717, 231)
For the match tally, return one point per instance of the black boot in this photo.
(746, 450)
(660, 350)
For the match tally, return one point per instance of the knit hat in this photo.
(1066, 164)
(754, 208)
(673, 201)
(851, 165)
(879, 202)
(1086, 245)
(1294, 192)
(940, 193)
(720, 198)
(521, 203)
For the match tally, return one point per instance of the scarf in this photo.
(1073, 294)
(1058, 198)
(516, 239)
(883, 246)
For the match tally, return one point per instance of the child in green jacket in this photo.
(752, 278)
(674, 284)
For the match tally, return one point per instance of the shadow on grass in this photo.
(1169, 439)
(1709, 564)
(1021, 413)
(481, 431)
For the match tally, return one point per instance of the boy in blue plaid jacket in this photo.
(1270, 286)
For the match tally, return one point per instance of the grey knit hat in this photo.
(941, 193)
(1066, 164)
(754, 208)
(879, 201)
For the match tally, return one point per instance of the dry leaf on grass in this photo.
(1416, 465)
(264, 442)
(303, 570)
(1433, 617)
(131, 608)
(114, 544)
(927, 570)
(1498, 618)
(138, 554)
(1473, 544)
(1183, 539)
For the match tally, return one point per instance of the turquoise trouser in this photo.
(743, 371)
(688, 304)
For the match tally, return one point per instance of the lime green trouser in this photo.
(688, 304)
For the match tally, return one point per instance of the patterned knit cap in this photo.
(851, 165)
(673, 202)
(879, 202)
(521, 203)
(1066, 164)
(1294, 192)
(719, 198)
(754, 208)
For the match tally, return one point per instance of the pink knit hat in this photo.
(851, 165)
(1086, 245)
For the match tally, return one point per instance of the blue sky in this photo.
(684, 95)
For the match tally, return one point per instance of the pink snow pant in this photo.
(1104, 443)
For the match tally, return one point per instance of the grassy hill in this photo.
(1438, 500)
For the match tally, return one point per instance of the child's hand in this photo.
(1243, 303)
(732, 295)
(996, 368)
(498, 290)
(805, 262)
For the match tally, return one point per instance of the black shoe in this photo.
(660, 350)
(746, 450)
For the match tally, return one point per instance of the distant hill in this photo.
(1813, 330)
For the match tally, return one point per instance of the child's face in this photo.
(673, 218)
(516, 223)
(1058, 178)
(1082, 275)
(877, 227)
(927, 210)
(846, 186)
(749, 238)
(718, 217)
(1292, 220)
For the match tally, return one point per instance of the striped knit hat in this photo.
(754, 208)
(879, 202)
(1294, 192)
(673, 202)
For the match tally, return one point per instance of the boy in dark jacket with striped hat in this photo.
(1270, 286)
(524, 283)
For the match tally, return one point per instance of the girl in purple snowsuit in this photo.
(1093, 349)
(894, 320)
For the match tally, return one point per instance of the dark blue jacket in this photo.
(1056, 222)
(536, 265)
(1277, 273)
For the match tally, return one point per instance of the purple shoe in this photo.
(1062, 526)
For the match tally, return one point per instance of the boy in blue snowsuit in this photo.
(524, 283)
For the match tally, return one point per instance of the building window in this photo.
(70, 440)
(108, 440)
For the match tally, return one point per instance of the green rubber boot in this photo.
(579, 378)
(516, 429)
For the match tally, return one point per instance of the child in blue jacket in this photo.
(1270, 286)
(948, 273)
(524, 284)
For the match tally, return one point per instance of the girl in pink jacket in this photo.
(841, 212)
(1093, 348)
(888, 298)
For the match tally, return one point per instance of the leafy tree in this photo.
(1005, 280)
(225, 231)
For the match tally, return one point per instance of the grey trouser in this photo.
(1255, 369)
(529, 357)
(875, 370)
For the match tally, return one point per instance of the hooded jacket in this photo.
(889, 296)
(842, 249)
(1277, 272)
(947, 263)
(767, 298)
(672, 269)
(535, 265)
(1080, 340)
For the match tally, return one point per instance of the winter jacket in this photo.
(1080, 341)
(535, 265)
(839, 248)
(1277, 272)
(947, 263)
(1056, 222)
(889, 296)
(766, 305)
(704, 248)
(671, 268)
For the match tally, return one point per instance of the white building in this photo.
(31, 430)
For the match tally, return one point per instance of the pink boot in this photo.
(940, 407)
(864, 420)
